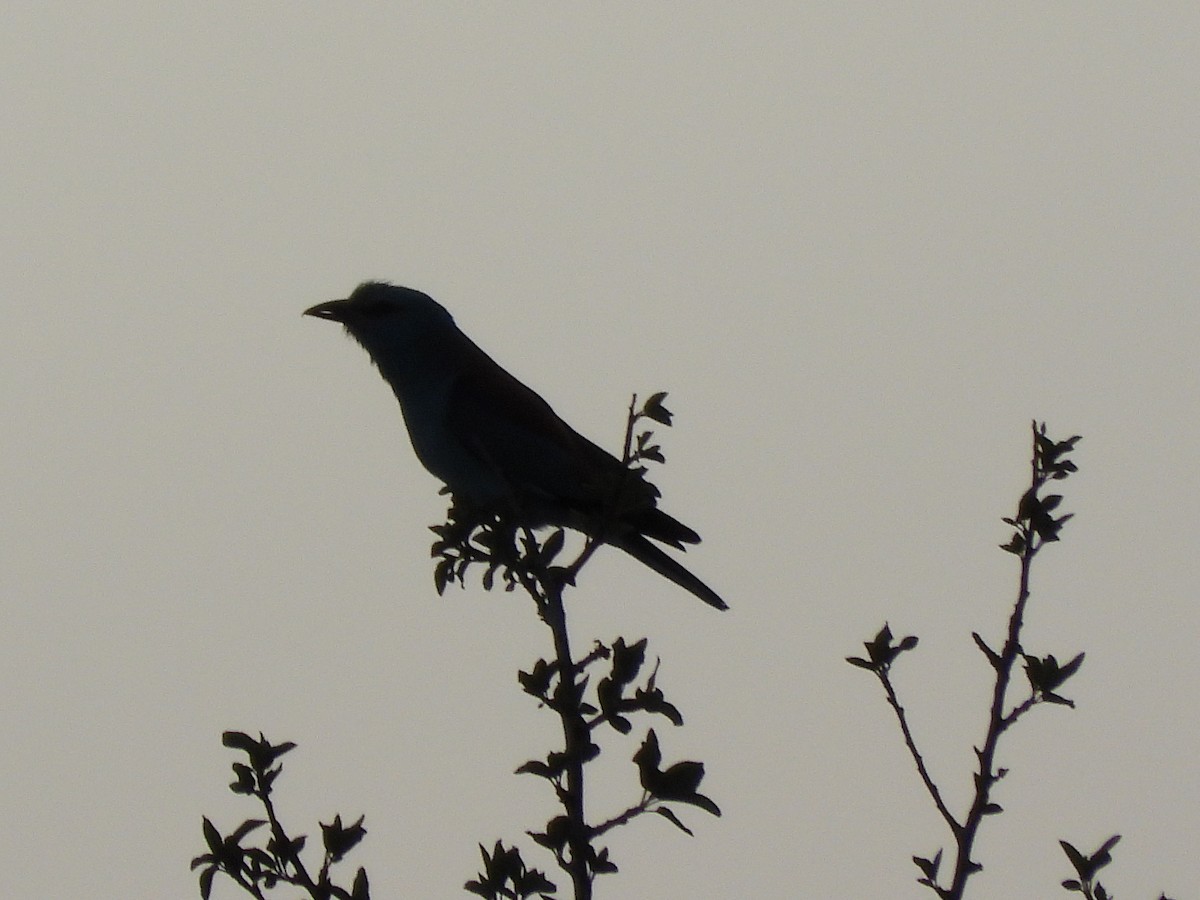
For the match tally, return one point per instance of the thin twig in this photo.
(930, 786)
(624, 817)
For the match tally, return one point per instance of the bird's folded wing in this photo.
(513, 431)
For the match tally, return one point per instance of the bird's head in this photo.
(379, 304)
(388, 320)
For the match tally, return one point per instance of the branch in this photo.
(930, 786)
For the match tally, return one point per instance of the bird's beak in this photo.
(334, 310)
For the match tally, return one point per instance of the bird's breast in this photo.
(443, 453)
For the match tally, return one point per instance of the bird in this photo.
(495, 443)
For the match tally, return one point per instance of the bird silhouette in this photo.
(495, 443)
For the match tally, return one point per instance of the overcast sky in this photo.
(861, 245)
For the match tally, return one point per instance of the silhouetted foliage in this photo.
(597, 692)
(261, 867)
(601, 693)
(1033, 526)
(1086, 868)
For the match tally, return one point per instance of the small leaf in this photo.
(339, 839)
(653, 453)
(627, 661)
(245, 828)
(361, 890)
(1051, 697)
(244, 784)
(602, 865)
(535, 767)
(929, 866)
(1029, 505)
(992, 656)
(667, 814)
(212, 837)
(654, 702)
(654, 409)
(1077, 860)
(443, 572)
(681, 779)
(648, 757)
(1071, 668)
(1015, 546)
(553, 545)
(536, 682)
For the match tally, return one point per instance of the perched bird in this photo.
(494, 442)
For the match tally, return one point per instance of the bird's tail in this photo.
(654, 523)
(637, 546)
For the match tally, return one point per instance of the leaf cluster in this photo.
(472, 536)
(622, 690)
(1046, 676)
(505, 875)
(638, 448)
(1034, 525)
(602, 692)
(260, 867)
(881, 651)
(1086, 867)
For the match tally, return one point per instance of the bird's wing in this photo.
(513, 432)
(509, 428)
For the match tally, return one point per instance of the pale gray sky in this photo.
(861, 246)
